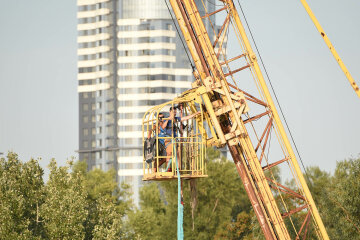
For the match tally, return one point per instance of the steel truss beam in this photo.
(229, 127)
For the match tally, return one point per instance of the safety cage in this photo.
(174, 140)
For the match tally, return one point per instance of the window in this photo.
(111, 93)
(110, 131)
(128, 141)
(85, 70)
(85, 107)
(85, 144)
(110, 106)
(98, 117)
(99, 130)
(85, 95)
(99, 143)
(93, 144)
(109, 155)
(98, 105)
(85, 131)
(93, 118)
(85, 119)
(93, 106)
(109, 118)
(93, 131)
(109, 142)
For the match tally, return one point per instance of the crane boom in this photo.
(226, 108)
(331, 47)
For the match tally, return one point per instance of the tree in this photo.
(220, 197)
(149, 221)
(239, 229)
(64, 210)
(74, 203)
(106, 203)
(110, 223)
(344, 195)
(337, 198)
(21, 195)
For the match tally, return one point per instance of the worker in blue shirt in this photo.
(168, 128)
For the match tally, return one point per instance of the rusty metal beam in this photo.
(284, 215)
(233, 59)
(287, 190)
(256, 204)
(212, 13)
(265, 143)
(306, 229)
(274, 164)
(222, 29)
(268, 125)
(256, 117)
(237, 70)
(249, 96)
(302, 225)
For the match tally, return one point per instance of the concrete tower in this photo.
(130, 58)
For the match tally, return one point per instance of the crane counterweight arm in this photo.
(331, 47)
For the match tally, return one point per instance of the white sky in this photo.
(38, 96)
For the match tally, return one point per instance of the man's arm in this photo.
(189, 116)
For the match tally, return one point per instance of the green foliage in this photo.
(80, 204)
(64, 209)
(150, 222)
(103, 196)
(110, 220)
(337, 198)
(71, 205)
(220, 197)
(239, 229)
(342, 214)
(21, 194)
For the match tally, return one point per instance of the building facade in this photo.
(130, 58)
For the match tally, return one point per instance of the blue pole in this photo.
(180, 220)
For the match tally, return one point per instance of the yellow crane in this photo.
(233, 117)
(331, 47)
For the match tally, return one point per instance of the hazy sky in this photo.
(38, 86)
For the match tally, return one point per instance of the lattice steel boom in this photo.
(228, 112)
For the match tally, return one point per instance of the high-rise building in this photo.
(130, 58)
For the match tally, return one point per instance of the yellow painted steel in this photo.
(187, 38)
(331, 47)
(214, 86)
(278, 122)
(214, 66)
(193, 140)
